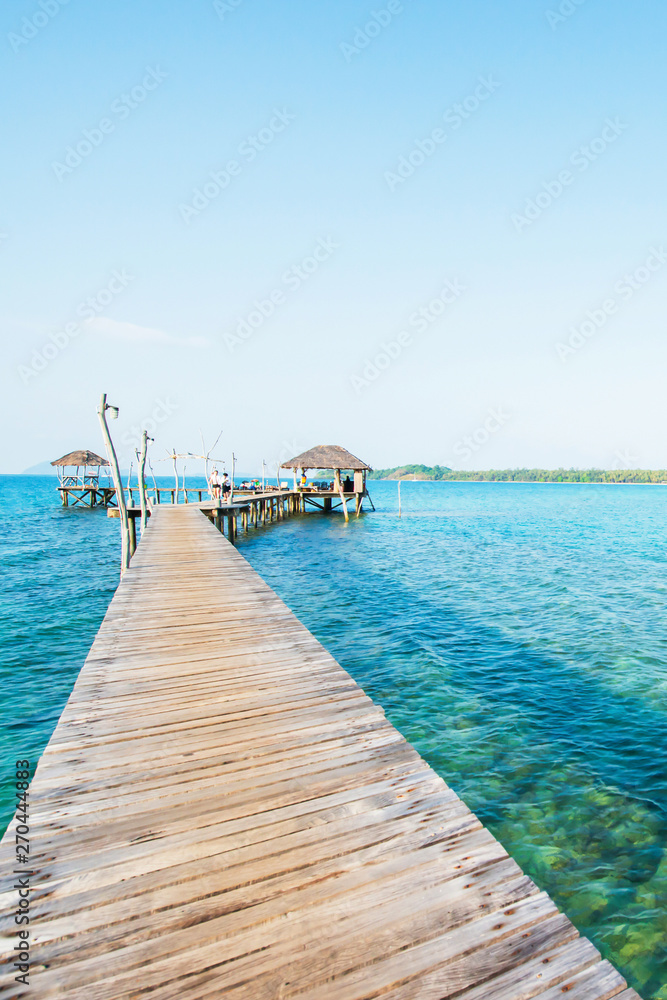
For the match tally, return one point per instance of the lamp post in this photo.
(120, 495)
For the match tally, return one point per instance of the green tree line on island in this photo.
(441, 473)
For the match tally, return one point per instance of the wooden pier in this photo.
(251, 510)
(222, 812)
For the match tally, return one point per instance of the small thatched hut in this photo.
(85, 460)
(327, 456)
(81, 459)
(332, 456)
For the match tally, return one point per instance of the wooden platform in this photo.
(222, 812)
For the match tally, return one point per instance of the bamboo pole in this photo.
(142, 480)
(173, 457)
(206, 459)
(231, 492)
(279, 503)
(155, 487)
(120, 495)
(339, 485)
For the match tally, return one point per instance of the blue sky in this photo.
(302, 297)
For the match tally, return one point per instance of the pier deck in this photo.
(221, 811)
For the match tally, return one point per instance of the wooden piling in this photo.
(132, 527)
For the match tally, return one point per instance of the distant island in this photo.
(441, 473)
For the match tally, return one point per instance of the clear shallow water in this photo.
(59, 572)
(514, 633)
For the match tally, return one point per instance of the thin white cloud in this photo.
(140, 334)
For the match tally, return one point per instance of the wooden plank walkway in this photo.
(223, 812)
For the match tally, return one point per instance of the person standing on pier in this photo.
(226, 487)
(215, 484)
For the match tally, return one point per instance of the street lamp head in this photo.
(113, 412)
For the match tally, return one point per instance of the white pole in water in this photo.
(120, 494)
(173, 456)
(399, 497)
(263, 485)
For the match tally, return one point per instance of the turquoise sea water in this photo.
(516, 635)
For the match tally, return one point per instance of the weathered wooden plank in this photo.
(600, 982)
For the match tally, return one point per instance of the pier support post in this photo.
(132, 525)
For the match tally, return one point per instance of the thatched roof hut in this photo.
(80, 458)
(326, 456)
